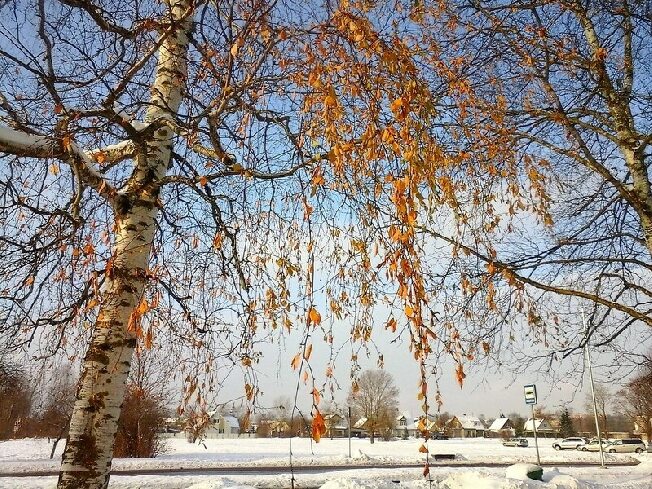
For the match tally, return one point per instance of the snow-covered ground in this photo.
(32, 454)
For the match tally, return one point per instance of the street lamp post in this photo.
(587, 357)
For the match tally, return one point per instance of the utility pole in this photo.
(587, 358)
(349, 431)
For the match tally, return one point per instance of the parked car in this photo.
(572, 443)
(594, 446)
(515, 442)
(627, 445)
(439, 436)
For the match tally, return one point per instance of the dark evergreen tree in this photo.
(566, 428)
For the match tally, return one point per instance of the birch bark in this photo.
(87, 458)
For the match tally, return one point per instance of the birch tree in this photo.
(168, 171)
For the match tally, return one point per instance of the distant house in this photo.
(543, 427)
(359, 428)
(336, 426)
(405, 426)
(222, 426)
(642, 428)
(502, 427)
(465, 427)
(278, 428)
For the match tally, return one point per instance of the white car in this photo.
(572, 443)
(594, 446)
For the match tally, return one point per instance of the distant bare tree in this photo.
(15, 397)
(375, 396)
(54, 419)
(637, 397)
(603, 399)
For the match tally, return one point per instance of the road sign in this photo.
(530, 394)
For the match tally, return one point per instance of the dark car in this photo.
(439, 436)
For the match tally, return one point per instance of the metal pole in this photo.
(349, 431)
(587, 356)
(534, 428)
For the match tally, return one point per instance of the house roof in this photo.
(499, 424)
(231, 422)
(471, 423)
(541, 424)
(333, 416)
(360, 423)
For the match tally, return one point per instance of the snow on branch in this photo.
(114, 153)
(20, 143)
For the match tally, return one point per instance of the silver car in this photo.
(627, 445)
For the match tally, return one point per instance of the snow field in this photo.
(32, 454)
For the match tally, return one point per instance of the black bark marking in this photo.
(97, 356)
(122, 205)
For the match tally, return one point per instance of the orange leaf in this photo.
(58, 108)
(459, 373)
(143, 307)
(423, 449)
(100, 157)
(296, 361)
(486, 347)
(54, 169)
(316, 395)
(314, 317)
(308, 352)
(148, 338)
(409, 312)
(318, 427)
(66, 141)
(203, 181)
(217, 241)
(426, 470)
(391, 324)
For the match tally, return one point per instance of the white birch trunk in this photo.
(87, 458)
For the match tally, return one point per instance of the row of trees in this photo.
(31, 406)
(173, 174)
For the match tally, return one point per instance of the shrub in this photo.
(142, 417)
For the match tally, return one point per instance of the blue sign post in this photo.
(531, 399)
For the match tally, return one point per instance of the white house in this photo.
(466, 427)
(222, 426)
(542, 425)
(502, 427)
(405, 426)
